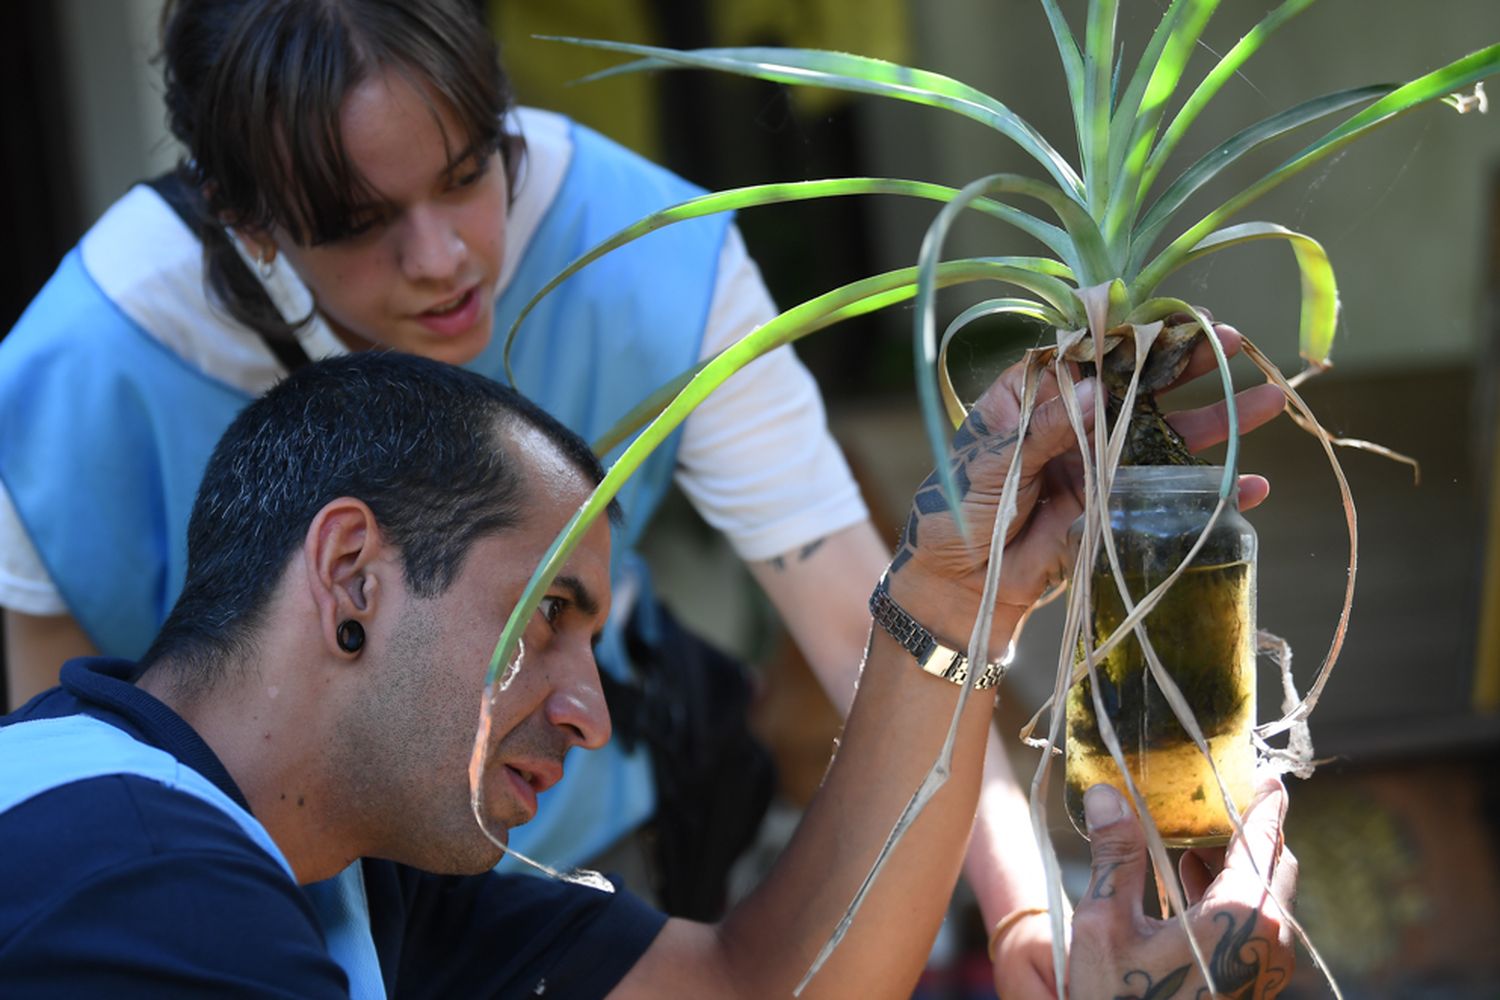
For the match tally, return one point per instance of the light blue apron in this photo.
(104, 433)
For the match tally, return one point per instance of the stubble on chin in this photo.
(464, 848)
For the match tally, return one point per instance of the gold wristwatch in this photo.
(931, 655)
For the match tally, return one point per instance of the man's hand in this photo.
(1118, 951)
(1049, 498)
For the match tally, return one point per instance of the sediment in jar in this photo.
(1203, 633)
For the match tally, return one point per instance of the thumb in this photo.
(1118, 847)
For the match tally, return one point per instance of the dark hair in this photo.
(423, 443)
(254, 90)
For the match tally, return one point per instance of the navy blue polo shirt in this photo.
(118, 886)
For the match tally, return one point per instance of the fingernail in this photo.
(1085, 393)
(1102, 806)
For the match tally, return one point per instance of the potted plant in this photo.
(1109, 235)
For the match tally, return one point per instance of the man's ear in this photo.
(346, 557)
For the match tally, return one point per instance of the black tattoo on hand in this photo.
(972, 440)
(1156, 990)
(1103, 889)
(1241, 965)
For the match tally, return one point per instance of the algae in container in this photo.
(1203, 631)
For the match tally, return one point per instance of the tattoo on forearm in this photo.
(1241, 964)
(973, 440)
(778, 563)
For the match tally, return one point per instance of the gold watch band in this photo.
(931, 655)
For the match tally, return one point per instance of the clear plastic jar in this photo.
(1203, 631)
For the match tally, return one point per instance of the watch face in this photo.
(943, 662)
(933, 657)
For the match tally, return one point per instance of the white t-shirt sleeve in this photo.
(756, 459)
(25, 585)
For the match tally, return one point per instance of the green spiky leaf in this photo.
(780, 194)
(1231, 150)
(1433, 86)
(857, 74)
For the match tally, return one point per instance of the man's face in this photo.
(423, 710)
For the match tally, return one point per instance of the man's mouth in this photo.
(539, 779)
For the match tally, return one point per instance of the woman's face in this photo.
(419, 274)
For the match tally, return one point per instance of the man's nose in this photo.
(578, 706)
(432, 248)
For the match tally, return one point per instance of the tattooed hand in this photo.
(938, 574)
(1120, 953)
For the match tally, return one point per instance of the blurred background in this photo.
(1397, 832)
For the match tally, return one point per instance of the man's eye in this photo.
(551, 609)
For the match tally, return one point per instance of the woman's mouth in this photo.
(452, 316)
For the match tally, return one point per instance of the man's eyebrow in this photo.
(579, 591)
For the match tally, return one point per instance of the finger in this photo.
(1179, 318)
(1209, 425)
(1284, 882)
(1256, 848)
(1050, 433)
(1253, 491)
(1000, 403)
(1203, 359)
(1118, 849)
(1198, 869)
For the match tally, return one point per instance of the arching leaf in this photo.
(1320, 296)
(856, 74)
(1433, 86)
(1226, 153)
(924, 342)
(758, 195)
(981, 310)
(1210, 86)
(1135, 123)
(860, 296)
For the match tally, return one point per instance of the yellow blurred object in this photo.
(626, 107)
(543, 73)
(875, 28)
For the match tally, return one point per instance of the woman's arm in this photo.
(35, 647)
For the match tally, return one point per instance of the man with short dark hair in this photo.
(308, 709)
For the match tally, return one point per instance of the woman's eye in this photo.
(472, 176)
(360, 226)
(357, 228)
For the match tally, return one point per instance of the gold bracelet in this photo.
(1010, 920)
